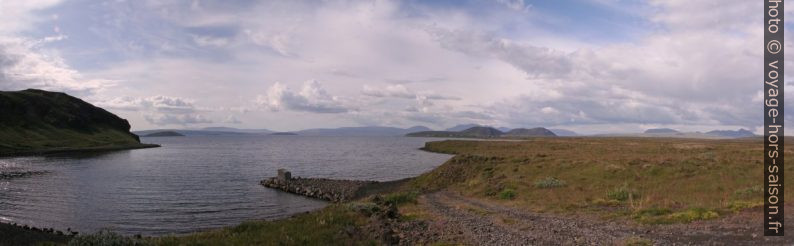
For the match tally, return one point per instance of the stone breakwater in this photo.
(326, 189)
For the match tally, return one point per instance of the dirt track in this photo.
(464, 220)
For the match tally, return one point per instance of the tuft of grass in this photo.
(106, 237)
(549, 182)
(400, 198)
(666, 216)
(622, 193)
(507, 194)
(637, 241)
(737, 206)
(749, 192)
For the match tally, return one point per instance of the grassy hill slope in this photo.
(37, 121)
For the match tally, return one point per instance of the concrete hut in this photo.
(284, 175)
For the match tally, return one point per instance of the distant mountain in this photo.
(418, 129)
(482, 132)
(504, 129)
(38, 121)
(564, 133)
(283, 134)
(534, 132)
(661, 131)
(230, 129)
(361, 131)
(164, 134)
(461, 127)
(473, 132)
(741, 133)
(194, 132)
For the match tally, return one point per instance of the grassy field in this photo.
(650, 180)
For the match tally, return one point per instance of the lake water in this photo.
(195, 183)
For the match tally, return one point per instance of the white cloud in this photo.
(23, 64)
(18, 15)
(180, 119)
(517, 5)
(161, 110)
(311, 98)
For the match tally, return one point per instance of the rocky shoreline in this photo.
(333, 190)
(19, 174)
(39, 152)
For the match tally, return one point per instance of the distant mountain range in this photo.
(661, 131)
(485, 132)
(667, 132)
(342, 131)
(462, 130)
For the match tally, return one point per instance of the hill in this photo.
(473, 132)
(283, 134)
(366, 131)
(37, 121)
(194, 132)
(461, 127)
(534, 132)
(741, 133)
(564, 132)
(164, 134)
(661, 131)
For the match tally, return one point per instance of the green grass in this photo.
(47, 139)
(549, 182)
(683, 180)
(507, 194)
(333, 225)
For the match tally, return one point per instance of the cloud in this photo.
(155, 103)
(18, 15)
(533, 60)
(311, 98)
(160, 110)
(23, 64)
(231, 119)
(401, 91)
(517, 5)
(180, 119)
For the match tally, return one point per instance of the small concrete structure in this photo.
(284, 175)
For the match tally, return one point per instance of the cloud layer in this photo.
(615, 66)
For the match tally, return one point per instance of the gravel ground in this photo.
(458, 219)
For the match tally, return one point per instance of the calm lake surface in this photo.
(195, 183)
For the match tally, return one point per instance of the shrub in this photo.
(737, 206)
(622, 193)
(401, 198)
(507, 194)
(752, 191)
(549, 182)
(694, 214)
(105, 237)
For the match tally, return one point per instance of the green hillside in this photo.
(37, 121)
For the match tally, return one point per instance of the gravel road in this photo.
(458, 219)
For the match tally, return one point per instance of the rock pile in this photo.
(326, 189)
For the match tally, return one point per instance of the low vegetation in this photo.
(649, 180)
(333, 225)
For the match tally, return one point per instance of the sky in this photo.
(591, 66)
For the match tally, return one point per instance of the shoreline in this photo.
(42, 152)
